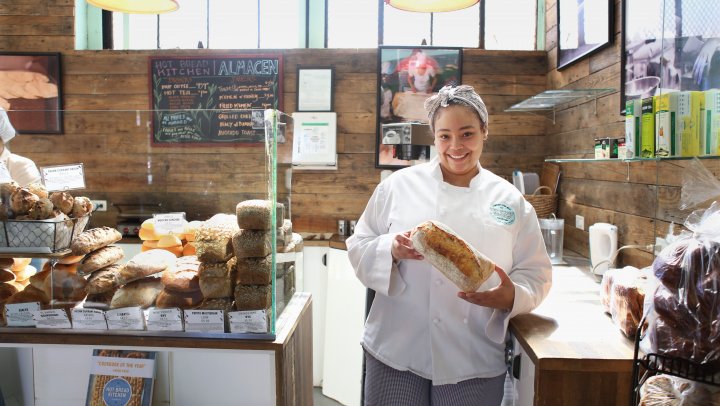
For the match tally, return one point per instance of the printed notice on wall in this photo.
(314, 142)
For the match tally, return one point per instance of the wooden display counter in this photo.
(212, 368)
(578, 356)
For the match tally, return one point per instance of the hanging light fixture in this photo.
(431, 6)
(137, 6)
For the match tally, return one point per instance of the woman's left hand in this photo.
(500, 297)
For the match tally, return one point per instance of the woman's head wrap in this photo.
(463, 95)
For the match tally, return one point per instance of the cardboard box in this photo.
(622, 150)
(665, 111)
(712, 122)
(647, 128)
(632, 128)
(688, 122)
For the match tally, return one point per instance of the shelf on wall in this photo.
(670, 158)
(550, 100)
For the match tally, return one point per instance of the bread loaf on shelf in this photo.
(94, 239)
(167, 299)
(104, 280)
(252, 243)
(100, 258)
(213, 239)
(145, 264)
(253, 297)
(450, 254)
(254, 271)
(142, 292)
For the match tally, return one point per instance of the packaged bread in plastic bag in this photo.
(622, 295)
(668, 390)
(684, 316)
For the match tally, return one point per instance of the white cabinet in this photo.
(525, 384)
(344, 322)
(315, 282)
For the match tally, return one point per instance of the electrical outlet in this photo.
(579, 221)
(99, 205)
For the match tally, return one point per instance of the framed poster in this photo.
(216, 100)
(30, 91)
(407, 76)
(669, 45)
(315, 88)
(584, 27)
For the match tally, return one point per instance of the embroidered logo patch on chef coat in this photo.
(502, 213)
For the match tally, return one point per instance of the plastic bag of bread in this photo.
(668, 390)
(625, 297)
(685, 317)
(467, 268)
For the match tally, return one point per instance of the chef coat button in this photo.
(436, 320)
(465, 321)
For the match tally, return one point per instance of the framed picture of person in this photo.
(584, 27)
(30, 91)
(407, 76)
(668, 47)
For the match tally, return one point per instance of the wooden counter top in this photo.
(570, 331)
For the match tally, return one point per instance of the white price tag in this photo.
(4, 174)
(169, 222)
(250, 321)
(52, 318)
(21, 314)
(126, 318)
(205, 321)
(164, 320)
(63, 177)
(88, 319)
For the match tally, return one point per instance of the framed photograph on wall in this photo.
(407, 76)
(669, 46)
(315, 88)
(30, 91)
(584, 27)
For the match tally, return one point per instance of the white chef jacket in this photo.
(22, 170)
(417, 322)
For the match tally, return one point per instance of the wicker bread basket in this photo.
(544, 204)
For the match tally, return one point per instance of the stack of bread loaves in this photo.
(33, 202)
(96, 258)
(181, 285)
(213, 245)
(253, 249)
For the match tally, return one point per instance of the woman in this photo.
(426, 343)
(14, 167)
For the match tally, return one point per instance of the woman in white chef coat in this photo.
(20, 169)
(426, 343)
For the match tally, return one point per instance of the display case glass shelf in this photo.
(656, 159)
(550, 99)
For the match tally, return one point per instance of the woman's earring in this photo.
(485, 138)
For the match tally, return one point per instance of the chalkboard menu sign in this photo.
(213, 100)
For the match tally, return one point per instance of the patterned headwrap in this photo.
(463, 95)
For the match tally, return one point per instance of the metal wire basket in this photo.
(43, 236)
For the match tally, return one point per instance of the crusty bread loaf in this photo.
(213, 238)
(145, 264)
(217, 269)
(252, 243)
(225, 304)
(7, 290)
(94, 239)
(6, 275)
(100, 301)
(253, 297)
(450, 254)
(216, 287)
(167, 299)
(141, 293)
(104, 280)
(100, 259)
(181, 280)
(254, 271)
(28, 295)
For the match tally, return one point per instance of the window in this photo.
(510, 24)
(352, 24)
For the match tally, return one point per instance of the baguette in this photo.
(450, 254)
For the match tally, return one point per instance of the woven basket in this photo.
(544, 205)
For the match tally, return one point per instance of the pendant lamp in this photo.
(137, 6)
(431, 6)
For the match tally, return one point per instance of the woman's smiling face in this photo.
(459, 139)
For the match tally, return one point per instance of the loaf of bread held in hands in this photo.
(450, 254)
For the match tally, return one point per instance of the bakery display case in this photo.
(214, 255)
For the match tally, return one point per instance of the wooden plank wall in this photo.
(106, 125)
(641, 198)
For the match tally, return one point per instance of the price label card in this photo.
(205, 321)
(21, 314)
(126, 318)
(4, 174)
(88, 319)
(63, 177)
(251, 321)
(167, 222)
(164, 320)
(52, 318)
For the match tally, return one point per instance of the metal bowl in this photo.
(642, 87)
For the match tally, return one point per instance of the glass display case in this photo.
(160, 222)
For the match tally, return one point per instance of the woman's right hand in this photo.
(402, 247)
